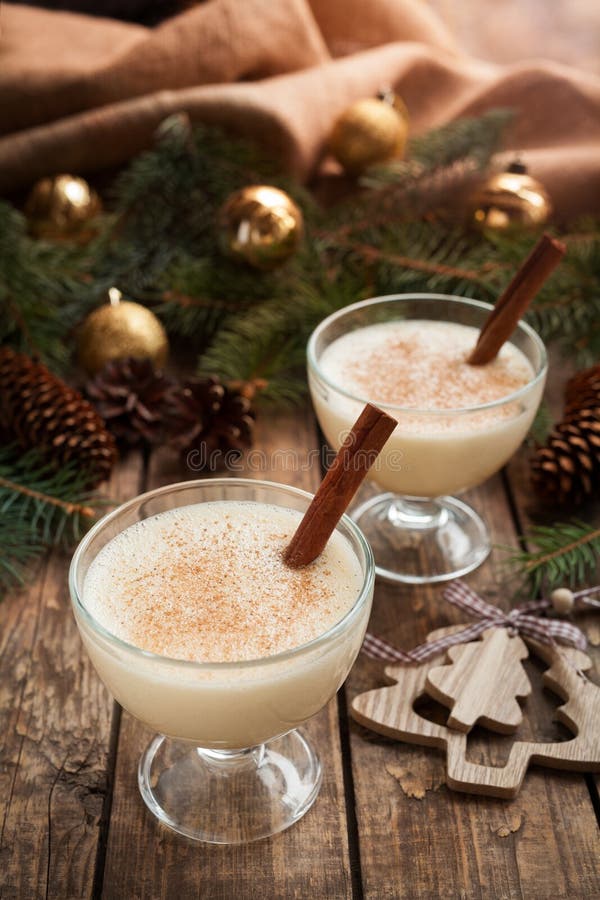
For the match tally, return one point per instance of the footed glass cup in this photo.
(419, 533)
(228, 764)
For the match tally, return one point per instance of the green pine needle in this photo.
(43, 290)
(541, 426)
(161, 245)
(471, 141)
(40, 507)
(565, 554)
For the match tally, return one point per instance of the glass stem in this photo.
(416, 514)
(233, 759)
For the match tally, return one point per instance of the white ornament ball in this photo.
(563, 601)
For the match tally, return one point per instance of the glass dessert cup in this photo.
(228, 764)
(418, 532)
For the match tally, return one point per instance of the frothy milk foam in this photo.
(206, 583)
(421, 365)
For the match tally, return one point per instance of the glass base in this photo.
(229, 796)
(417, 541)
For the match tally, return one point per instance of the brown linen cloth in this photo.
(79, 94)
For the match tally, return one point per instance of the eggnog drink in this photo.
(454, 430)
(203, 589)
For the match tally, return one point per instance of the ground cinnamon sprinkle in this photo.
(198, 584)
(422, 365)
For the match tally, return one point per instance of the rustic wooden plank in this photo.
(55, 721)
(311, 859)
(419, 839)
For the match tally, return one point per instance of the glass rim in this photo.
(222, 666)
(313, 363)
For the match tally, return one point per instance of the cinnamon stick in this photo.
(354, 459)
(511, 306)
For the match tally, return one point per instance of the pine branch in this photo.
(573, 326)
(161, 247)
(565, 554)
(472, 139)
(566, 312)
(467, 141)
(268, 342)
(541, 425)
(370, 254)
(167, 200)
(66, 506)
(43, 290)
(39, 508)
(197, 294)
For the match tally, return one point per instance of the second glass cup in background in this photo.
(419, 534)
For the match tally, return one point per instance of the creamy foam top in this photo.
(207, 582)
(422, 365)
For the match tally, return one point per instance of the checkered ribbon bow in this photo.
(521, 620)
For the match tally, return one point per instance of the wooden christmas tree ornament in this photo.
(391, 711)
(482, 682)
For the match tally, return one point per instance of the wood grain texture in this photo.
(311, 859)
(416, 839)
(55, 720)
(482, 682)
(449, 844)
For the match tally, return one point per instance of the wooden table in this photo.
(384, 825)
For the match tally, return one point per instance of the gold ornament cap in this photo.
(118, 329)
(261, 225)
(512, 197)
(388, 95)
(368, 132)
(60, 206)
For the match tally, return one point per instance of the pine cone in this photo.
(38, 410)
(213, 419)
(133, 399)
(566, 471)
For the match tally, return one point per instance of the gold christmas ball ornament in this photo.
(61, 206)
(118, 329)
(511, 198)
(370, 131)
(261, 225)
